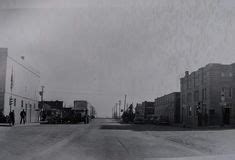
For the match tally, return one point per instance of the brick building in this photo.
(139, 110)
(139, 113)
(168, 107)
(207, 96)
(148, 108)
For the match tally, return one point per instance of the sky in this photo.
(100, 50)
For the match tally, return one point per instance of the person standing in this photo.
(22, 116)
(12, 117)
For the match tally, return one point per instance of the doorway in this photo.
(226, 116)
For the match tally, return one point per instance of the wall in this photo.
(209, 82)
(168, 106)
(25, 90)
(3, 64)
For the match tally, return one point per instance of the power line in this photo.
(36, 73)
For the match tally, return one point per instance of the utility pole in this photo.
(112, 112)
(125, 103)
(42, 105)
(116, 110)
(42, 93)
(119, 102)
(11, 87)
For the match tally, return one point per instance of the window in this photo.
(223, 89)
(183, 99)
(204, 108)
(194, 79)
(212, 112)
(230, 92)
(191, 81)
(190, 111)
(189, 98)
(196, 96)
(204, 94)
(22, 103)
(222, 74)
(187, 81)
(227, 92)
(202, 78)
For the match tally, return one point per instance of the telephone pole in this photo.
(112, 113)
(125, 103)
(119, 103)
(116, 109)
(41, 94)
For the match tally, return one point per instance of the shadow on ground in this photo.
(150, 127)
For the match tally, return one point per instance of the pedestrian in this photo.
(12, 117)
(22, 116)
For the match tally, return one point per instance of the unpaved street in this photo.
(106, 139)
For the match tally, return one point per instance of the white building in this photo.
(21, 82)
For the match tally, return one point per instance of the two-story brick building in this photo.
(207, 96)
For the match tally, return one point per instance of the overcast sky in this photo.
(100, 50)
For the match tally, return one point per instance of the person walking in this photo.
(12, 117)
(22, 116)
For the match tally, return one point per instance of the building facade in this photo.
(19, 86)
(168, 107)
(139, 113)
(148, 108)
(207, 96)
(139, 110)
(51, 104)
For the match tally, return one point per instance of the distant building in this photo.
(51, 104)
(19, 85)
(148, 108)
(139, 113)
(207, 96)
(168, 107)
(139, 110)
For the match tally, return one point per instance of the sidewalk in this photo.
(4, 125)
(209, 157)
(27, 124)
(19, 125)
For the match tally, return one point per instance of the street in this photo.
(106, 139)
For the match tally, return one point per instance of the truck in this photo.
(85, 110)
